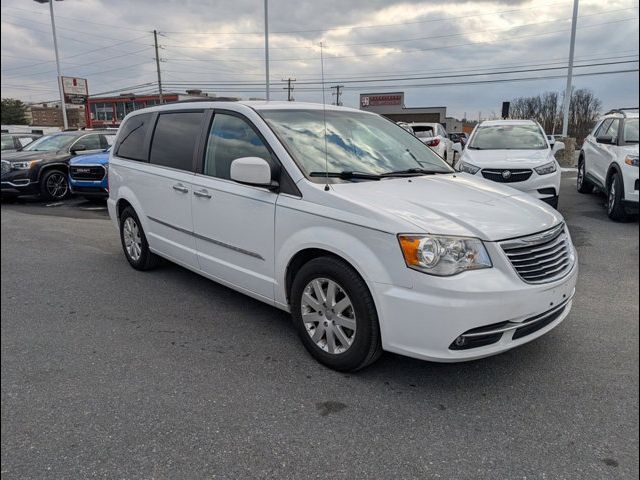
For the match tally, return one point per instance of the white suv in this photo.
(609, 161)
(515, 152)
(345, 220)
(435, 137)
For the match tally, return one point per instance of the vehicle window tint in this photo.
(231, 137)
(612, 131)
(91, 142)
(603, 127)
(107, 140)
(131, 139)
(24, 141)
(175, 139)
(631, 130)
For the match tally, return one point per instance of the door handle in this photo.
(202, 194)
(180, 188)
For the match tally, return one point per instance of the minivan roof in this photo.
(253, 104)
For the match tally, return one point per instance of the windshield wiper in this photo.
(347, 175)
(474, 148)
(410, 171)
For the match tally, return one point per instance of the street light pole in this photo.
(266, 44)
(65, 122)
(567, 92)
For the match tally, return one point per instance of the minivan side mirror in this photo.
(607, 139)
(252, 171)
(78, 148)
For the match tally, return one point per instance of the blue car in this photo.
(88, 175)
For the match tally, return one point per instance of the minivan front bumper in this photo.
(426, 321)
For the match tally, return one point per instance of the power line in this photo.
(426, 85)
(431, 77)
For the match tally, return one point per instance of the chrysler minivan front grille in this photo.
(541, 258)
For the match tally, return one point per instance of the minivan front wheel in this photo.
(134, 242)
(334, 314)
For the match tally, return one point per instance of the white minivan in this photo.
(345, 220)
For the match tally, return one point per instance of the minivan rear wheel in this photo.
(334, 314)
(134, 242)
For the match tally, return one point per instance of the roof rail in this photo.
(203, 99)
(621, 111)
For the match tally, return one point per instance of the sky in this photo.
(446, 53)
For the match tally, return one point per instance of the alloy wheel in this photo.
(57, 185)
(612, 195)
(580, 175)
(132, 239)
(328, 315)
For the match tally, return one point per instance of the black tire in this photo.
(54, 185)
(146, 260)
(615, 195)
(582, 183)
(366, 346)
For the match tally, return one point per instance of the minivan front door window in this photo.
(230, 138)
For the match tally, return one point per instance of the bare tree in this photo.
(547, 110)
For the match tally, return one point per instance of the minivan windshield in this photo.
(508, 137)
(355, 143)
(50, 143)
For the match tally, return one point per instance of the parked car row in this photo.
(44, 166)
(369, 239)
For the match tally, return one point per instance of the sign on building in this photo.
(381, 99)
(75, 90)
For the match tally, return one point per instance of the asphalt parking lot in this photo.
(112, 373)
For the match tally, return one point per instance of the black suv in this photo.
(42, 167)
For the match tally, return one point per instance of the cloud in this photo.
(110, 44)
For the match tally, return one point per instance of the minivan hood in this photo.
(452, 204)
(506, 158)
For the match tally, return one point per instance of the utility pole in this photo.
(155, 44)
(337, 93)
(65, 122)
(289, 88)
(266, 44)
(567, 92)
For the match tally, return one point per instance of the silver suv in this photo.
(609, 162)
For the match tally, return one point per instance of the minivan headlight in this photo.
(547, 168)
(468, 168)
(442, 255)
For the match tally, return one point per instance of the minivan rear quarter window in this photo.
(131, 141)
(175, 139)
